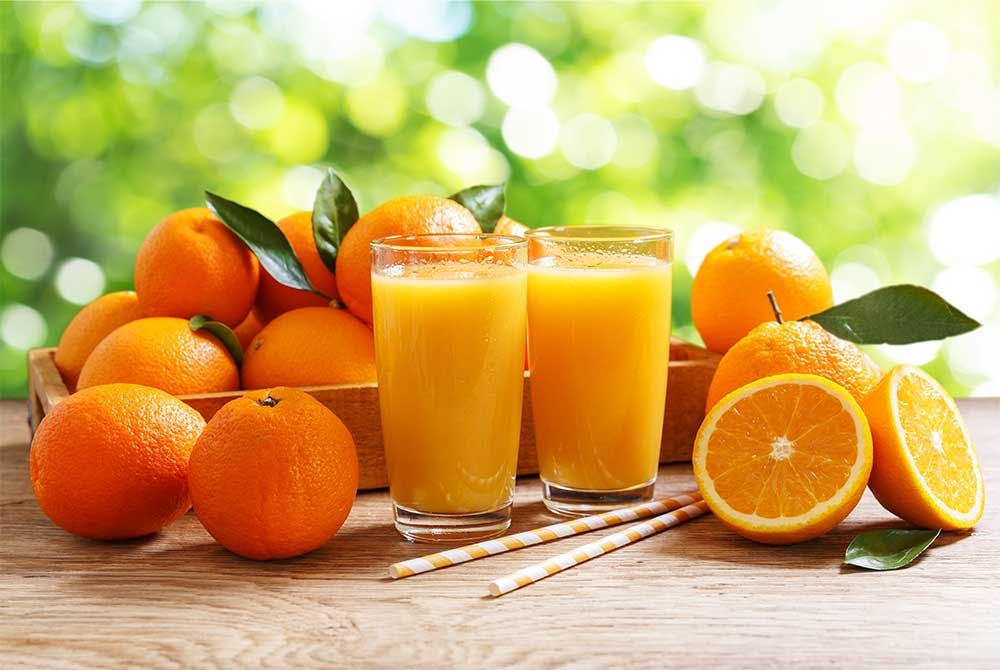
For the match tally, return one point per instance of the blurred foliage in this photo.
(115, 113)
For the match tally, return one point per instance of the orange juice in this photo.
(450, 354)
(599, 339)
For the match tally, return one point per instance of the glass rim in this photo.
(600, 233)
(397, 242)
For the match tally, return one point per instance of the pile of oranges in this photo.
(192, 264)
(799, 421)
(123, 457)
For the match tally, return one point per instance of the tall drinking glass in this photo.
(599, 343)
(449, 318)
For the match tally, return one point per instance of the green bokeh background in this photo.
(116, 113)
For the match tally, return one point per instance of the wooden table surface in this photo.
(696, 595)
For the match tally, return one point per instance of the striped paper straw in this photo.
(540, 571)
(501, 545)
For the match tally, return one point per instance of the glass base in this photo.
(458, 528)
(581, 502)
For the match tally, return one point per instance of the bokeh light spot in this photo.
(975, 356)
(918, 353)
(799, 103)
(301, 136)
(731, 88)
(466, 153)
(675, 62)
(299, 186)
(850, 280)
(79, 280)
(966, 230)
(637, 142)
(867, 93)
(706, 237)
(455, 98)
(918, 51)
(22, 327)
(111, 12)
(26, 253)
(379, 107)
(588, 141)
(532, 133)
(970, 288)
(430, 20)
(884, 156)
(215, 134)
(520, 76)
(821, 151)
(257, 103)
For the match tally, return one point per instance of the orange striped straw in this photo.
(501, 545)
(540, 571)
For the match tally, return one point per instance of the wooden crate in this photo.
(691, 370)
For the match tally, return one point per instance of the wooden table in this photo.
(697, 595)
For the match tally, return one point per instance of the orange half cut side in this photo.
(783, 459)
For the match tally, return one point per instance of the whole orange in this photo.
(794, 346)
(409, 215)
(190, 264)
(274, 474)
(249, 327)
(729, 293)
(274, 298)
(162, 352)
(91, 325)
(111, 462)
(312, 346)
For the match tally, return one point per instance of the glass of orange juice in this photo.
(449, 318)
(598, 349)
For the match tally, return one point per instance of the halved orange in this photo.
(783, 459)
(926, 470)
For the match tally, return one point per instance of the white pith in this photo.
(961, 517)
(723, 509)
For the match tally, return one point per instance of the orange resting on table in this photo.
(91, 325)
(926, 470)
(274, 474)
(111, 462)
(783, 459)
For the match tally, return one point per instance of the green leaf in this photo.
(334, 212)
(888, 549)
(895, 315)
(221, 331)
(485, 202)
(265, 239)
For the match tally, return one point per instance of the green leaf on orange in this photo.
(221, 331)
(900, 314)
(486, 203)
(334, 212)
(266, 241)
(888, 549)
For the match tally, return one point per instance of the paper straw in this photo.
(540, 571)
(501, 545)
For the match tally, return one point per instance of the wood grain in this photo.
(691, 370)
(695, 596)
